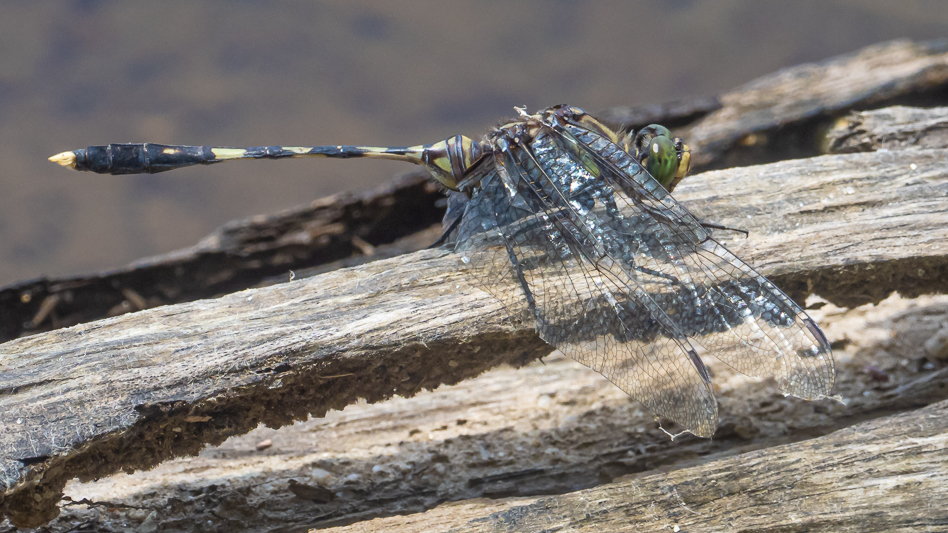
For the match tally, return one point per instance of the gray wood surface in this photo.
(345, 227)
(883, 475)
(131, 391)
(891, 128)
(546, 428)
(784, 115)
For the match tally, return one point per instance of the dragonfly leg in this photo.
(708, 225)
(443, 239)
(650, 272)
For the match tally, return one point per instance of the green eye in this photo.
(644, 137)
(659, 131)
(662, 160)
(667, 159)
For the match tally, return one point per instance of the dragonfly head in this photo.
(666, 158)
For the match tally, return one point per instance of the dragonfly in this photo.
(612, 270)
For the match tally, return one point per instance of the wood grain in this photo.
(551, 427)
(240, 254)
(887, 474)
(891, 128)
(785, 115)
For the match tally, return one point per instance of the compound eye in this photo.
(659, 131)
(662, 160)
(644, 138)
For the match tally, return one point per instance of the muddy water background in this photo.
(235, 73)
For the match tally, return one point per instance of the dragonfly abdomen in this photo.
(450, 161)
(142, 158)
(150, 158)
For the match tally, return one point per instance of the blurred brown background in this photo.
(233, 73)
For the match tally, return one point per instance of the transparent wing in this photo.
(712, 296)
(522, 225)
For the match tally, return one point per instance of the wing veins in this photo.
(637, 193)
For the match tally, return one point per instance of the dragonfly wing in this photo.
(457, 204)
(482, 247)
(589, 308)
(715, 299)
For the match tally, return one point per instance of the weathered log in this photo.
(131, 391)
(543, 429)
(785, 115)
(240, 254)
(883, 475)
(892, 128)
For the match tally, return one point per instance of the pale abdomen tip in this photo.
(66, 159)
